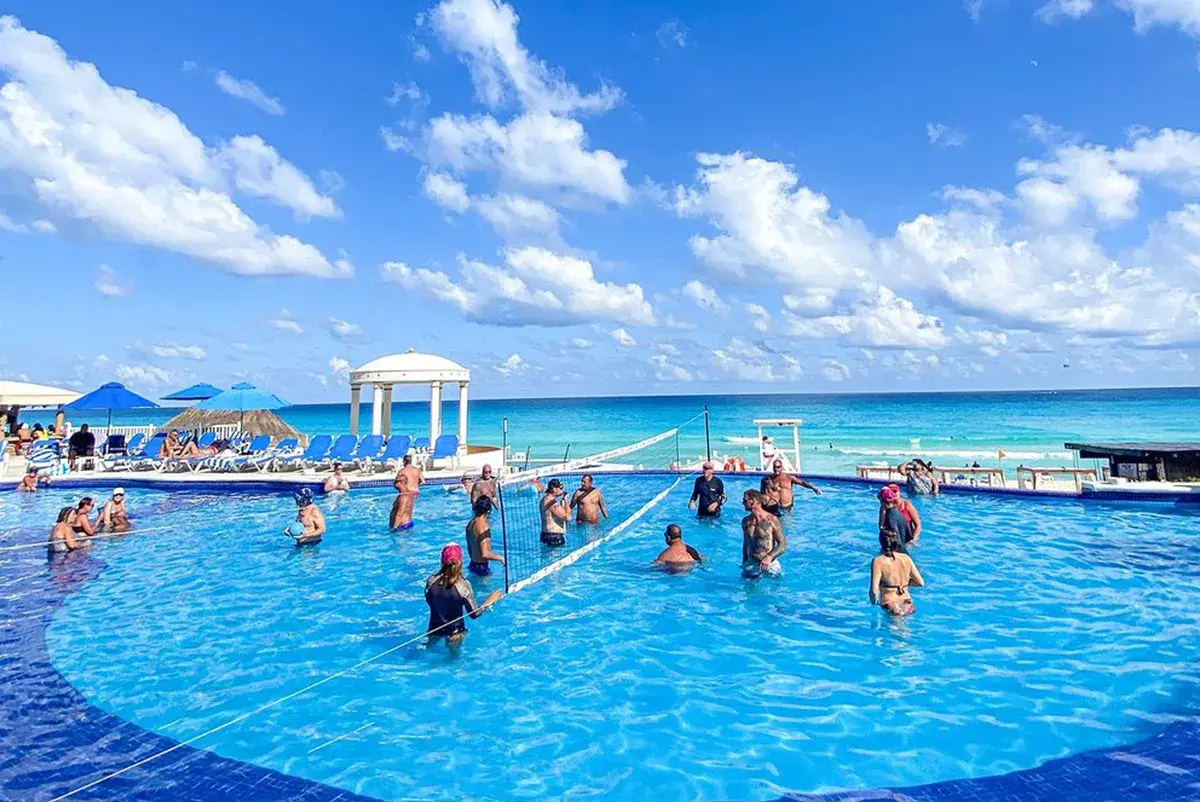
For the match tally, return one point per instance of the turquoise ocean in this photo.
(839, 431)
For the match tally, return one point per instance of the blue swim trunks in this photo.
(405, 527)
(480, 568)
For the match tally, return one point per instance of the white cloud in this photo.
(258, 169)
(107, 284)
(580, 343)
(143, 375)
(446, 191)
(339, 366)
(331, 181)
(43, 226)
(1055, 10)
(511, 215)
(249, 92)
(534, 149)
(944, 136)
(344, 330)
(667, 371)
(511, 366)
(1148, 13)
(320, 378)
(703, 296)
(834, 371)
(534, 287)
(666, 348)
(751, 362)
(407, 91)
(175, 351)
(13, 227)
(1077, 174)
(982, 199)
(672, 33)
(877, 318)
(284, 322)
(483, 33)
(623, 338)
(760, 318)
(125, 165)
(394, 141)
(420, 52)
(990, 342)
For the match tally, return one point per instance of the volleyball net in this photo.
(544, 512)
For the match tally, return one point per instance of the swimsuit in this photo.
(480, 568)
(752, 569)
(554, 538)
(448, 604)
(403, 527)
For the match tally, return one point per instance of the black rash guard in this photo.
(706, 492)
(447, 604)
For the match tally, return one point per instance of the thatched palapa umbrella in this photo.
(256, 422)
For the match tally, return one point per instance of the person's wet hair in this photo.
(889, 541)
(83, 502)
(752, 495)
(674, 532)
(64, 514)
(482, 506)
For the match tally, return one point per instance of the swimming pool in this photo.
(1050, 627)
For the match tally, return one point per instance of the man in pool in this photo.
(479, 539)
(464, 486)
(588, 502)
(677, 556)
(708, 494)
(401, 516)
(763, 540)
(309, 527)
(32, 480)
(114, 517)
(555, 514)
(777, 489)
(485, 487)
(337, 482)
(413, 475)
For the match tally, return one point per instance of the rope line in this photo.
(87, 538)
(571, 466)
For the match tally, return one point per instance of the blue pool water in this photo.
(1050, 627)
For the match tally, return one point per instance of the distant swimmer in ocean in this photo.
(309, 526)
(401, 516)
(479, 539)
(62, 536)
(555, 513)
(588, 502)
(899, 515)
(485, 487)
(115, 515)
(337, 482)
(763, 540)
(892, 572)
(708, 494)
(677, 556)
(777, 489)
(451, 599)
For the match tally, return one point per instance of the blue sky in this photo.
(579, 199)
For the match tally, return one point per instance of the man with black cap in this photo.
(555, 514)
(708, 494)
(309, 527)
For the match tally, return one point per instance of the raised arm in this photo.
(575, 498)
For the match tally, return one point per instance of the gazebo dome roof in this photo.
(410, 367)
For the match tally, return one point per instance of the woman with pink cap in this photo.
(450, 598)
(898, 514)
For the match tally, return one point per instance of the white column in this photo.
(376, 409)
(387, 410)
(462, 414)
(355, 399)
(435, 412)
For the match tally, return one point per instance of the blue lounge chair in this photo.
(446, 447)
(113, 444)
(397, 447)
(134, 446)
(254, 455)
(318, 447)
(45, 455)
(421, 444)
(192, 463)
(370, 448)
(343, 447)
(145, 459)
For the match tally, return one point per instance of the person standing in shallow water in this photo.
(708, 494)
(677, 556)
(777, 489)
(401, 516)
(309, 527)
(892, 572)
(588, 502)
(451, 599)
(62, 536)
(763, 541)
(555, 514)
(479, 539)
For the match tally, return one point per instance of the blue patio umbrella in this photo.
(243, 397)
(197, 392)
(113, 395)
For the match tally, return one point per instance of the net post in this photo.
(707, 437)
(503, 532)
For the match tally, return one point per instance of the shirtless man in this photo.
(401, 516)
(762, 539)
(415, 478)
(309, 527)
(485, 487)
(555, 514)
(479, 539)
(337, 483)
(115, 516)
(588, 502)
(677, 556)
(464, 486)
(777, 489)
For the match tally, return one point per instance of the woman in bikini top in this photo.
(892, 572)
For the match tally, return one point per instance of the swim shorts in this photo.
(554, 538)
(752, 570)
(480, 568)
(403, 527)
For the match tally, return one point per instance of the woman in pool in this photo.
(450, 599)
(919, 478)
(892, 572)
(899, 514)
(115, 515)
(309, 526)
(479, 539)
(337, 483)
(401, 517)
(62, 536)
(79, 521)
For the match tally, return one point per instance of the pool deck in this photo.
(53, 742)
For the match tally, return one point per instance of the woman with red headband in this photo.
(450, 598)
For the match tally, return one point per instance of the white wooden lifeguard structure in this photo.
(410, 367)
(764, 457)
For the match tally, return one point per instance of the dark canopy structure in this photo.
(1146, 462)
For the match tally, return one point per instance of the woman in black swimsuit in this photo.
(450, 598)
(479, 539)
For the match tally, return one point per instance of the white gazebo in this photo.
(410, 367)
